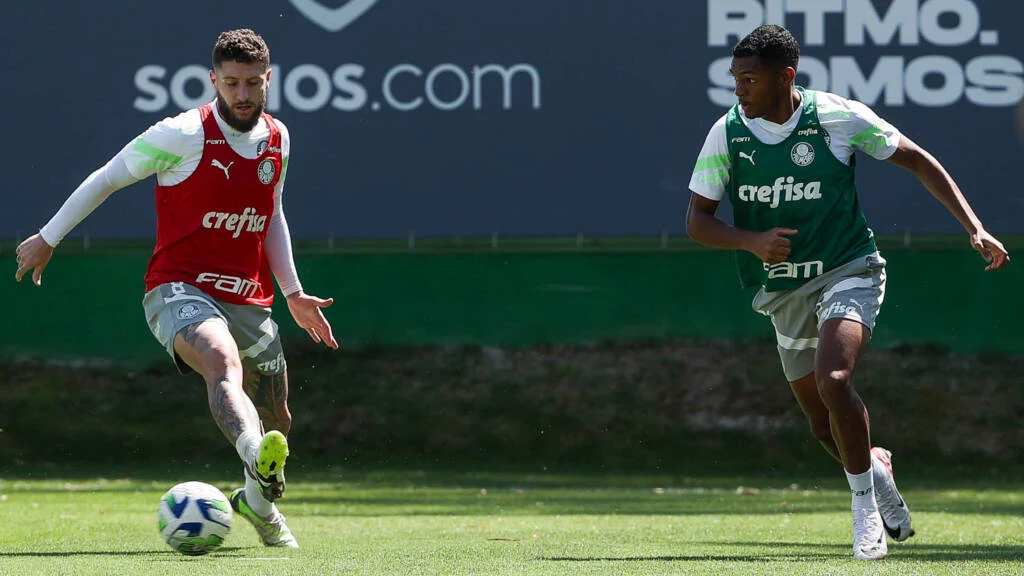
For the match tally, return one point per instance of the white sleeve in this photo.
(92, 192)
(279, 252)
(278, 243)
(857, 127)
(170, 149)
(711, 172)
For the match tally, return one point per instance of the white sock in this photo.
(246, 446)
(254, 497)
(862, 486)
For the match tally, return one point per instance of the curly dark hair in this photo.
(772, 43)
(242, 45)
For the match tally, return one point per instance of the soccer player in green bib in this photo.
(785, 157)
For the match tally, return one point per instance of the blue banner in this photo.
(537, 117)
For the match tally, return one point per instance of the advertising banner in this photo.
(538, 117)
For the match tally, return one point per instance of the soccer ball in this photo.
(194, 518)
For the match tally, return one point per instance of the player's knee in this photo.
(209, 351)
(218, 362)
(835, 385)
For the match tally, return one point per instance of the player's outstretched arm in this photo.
(306, 310)
(703, 226)
(33, 254)
(941, 185)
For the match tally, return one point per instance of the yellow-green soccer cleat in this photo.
(273, 531)
(268, 469)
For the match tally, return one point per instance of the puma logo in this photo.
(749, 156)
(216, 163)
(858, 304)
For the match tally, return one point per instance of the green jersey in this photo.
(797, 183)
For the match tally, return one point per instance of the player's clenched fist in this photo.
(772, 246)
(991, 250)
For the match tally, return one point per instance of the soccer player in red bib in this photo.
(221, 241)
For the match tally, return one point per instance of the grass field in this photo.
(422, 522)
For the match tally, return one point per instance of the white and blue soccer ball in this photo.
(194, 518)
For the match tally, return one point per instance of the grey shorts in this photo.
(853, 291)
(172, 307)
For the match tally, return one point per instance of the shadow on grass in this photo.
(583, 501)
(817, 557)
(341, 499)
(233, 552)
(814, 552)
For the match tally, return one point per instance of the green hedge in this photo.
(630, 405)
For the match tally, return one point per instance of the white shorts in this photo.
(853, 291)
(172, 307)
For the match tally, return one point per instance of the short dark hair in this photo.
(772, 43)
(242, 45)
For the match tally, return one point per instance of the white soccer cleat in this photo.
(273, 531)
(868, 535)
(894, 510)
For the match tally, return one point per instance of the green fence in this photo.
(89, 306)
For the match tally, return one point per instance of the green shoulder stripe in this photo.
(157, 159)
(713, 170)
(869, 140)
(716, 162)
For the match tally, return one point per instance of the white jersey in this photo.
(850, 125)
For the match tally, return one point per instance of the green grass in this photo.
(425, 522)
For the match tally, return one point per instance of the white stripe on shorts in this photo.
(180, 297)
(261, 345)
(848, 284)
(796, 343)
